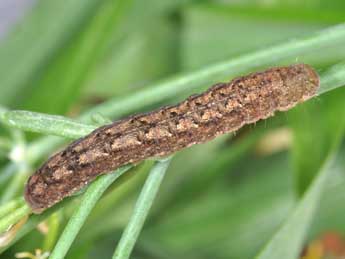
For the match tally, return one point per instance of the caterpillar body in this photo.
(223, 108)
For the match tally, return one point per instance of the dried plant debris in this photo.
(224, 108)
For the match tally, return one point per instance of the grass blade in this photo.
(71, 67)
(333, 78)
(90, 198)
(33, 221)
(50, 124)
(11, 206)
(141, 210)
(288, 241)
(14, 217)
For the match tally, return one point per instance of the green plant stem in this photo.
(14, 217)
(50, 124)
(11, 206)
(53, 223)
(141, 210)
(34, 220)
(333, 78)
(90, 198)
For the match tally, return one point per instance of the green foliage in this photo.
(316, 132)
(25, 53)
(50, 124)
(141, 210)
(282, 245)
(89, 200)
(101, 60)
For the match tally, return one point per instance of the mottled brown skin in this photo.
(225, 107)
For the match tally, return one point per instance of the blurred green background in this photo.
(223, 199)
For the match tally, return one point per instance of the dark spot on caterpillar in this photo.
(173, 114)
(223, 108)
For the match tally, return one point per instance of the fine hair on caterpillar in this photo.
(223, 108)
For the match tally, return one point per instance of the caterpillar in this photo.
(223, 108)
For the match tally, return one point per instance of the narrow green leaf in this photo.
(72, 66)
(50, 124)
(233, 210)
(14, 217)
(288, 241)
(10, 206)
(333, 78)
(90, 198)
(34, 220)
(54, 222)
(141, 210)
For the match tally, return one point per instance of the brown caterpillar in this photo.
(225, 107)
